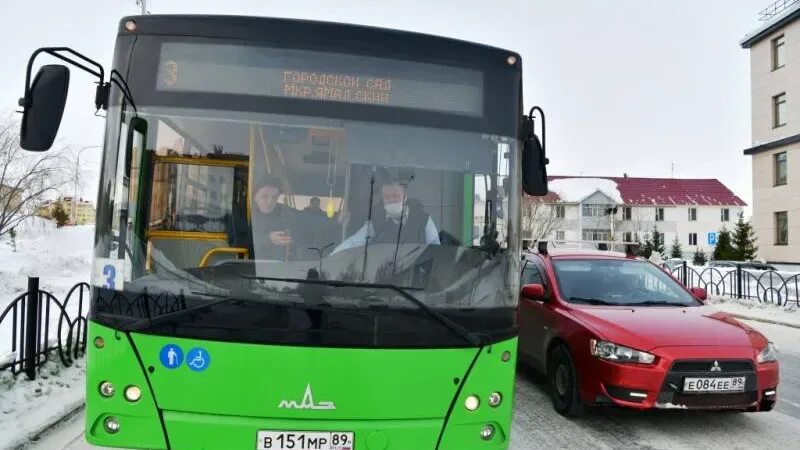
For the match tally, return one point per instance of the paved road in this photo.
(536, 426)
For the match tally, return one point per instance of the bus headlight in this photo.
(472, 402)
(106, 389)
(111, 424)
(495, 399)
(133, 393)
(487, 432)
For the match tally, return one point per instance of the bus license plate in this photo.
(304, 440)
(732, 384)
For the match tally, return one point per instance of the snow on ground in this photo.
(27, 407)
(60, 257)
(573, 190)
(760, 311)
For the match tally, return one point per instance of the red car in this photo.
(613, 329)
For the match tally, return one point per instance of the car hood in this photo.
(646, 328)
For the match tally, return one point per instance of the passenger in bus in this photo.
(417, 225)
(272, 221)
(315, 231)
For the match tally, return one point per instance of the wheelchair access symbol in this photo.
(198, 359)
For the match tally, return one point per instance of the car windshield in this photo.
(618, 282)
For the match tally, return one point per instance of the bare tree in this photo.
(26, 178)
(539, 219)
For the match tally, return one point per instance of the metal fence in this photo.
(762, 286)
(42, 327)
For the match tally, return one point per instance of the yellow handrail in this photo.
(214, 251)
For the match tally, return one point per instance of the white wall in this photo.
(676, 222)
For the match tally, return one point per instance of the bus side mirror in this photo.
(43, 107)
(534, 167)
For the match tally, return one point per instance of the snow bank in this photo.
(26, 407)
(573, 190)
(760, 311)
(59, 257)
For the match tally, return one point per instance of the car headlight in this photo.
(769, 354)
(618, 353)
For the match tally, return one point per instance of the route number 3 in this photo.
(110, 272)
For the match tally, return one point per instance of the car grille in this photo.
(731, 400)
(672, 389)
(706, 364)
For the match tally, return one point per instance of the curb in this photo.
(770, 321)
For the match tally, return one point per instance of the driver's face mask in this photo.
(394, 210)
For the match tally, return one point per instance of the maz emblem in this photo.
(307, 402)
(716, 367)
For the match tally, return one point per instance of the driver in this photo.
(395, 209)
(272, 222)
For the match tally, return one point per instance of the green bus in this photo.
(307, 235)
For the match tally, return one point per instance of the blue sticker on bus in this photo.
(198, 359)
(171, 356)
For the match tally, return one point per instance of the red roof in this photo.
(667, 191)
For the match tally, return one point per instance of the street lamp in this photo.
(75, 191)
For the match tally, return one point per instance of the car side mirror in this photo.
(44, 107)
(700, 293)
(533, 292)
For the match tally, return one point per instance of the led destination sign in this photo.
(327, 77)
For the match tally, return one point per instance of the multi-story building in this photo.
(775, 152)
(620, 209)
(79, 212)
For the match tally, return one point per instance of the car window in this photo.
(531, 274)
(618, 282)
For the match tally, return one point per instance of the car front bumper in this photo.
(660, 385)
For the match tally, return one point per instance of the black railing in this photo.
(762, 286)
(43, 326)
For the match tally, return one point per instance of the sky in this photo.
(644, 87)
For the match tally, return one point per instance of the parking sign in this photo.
(712, 238)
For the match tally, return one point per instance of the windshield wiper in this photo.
(150, 322)
(470, 337)
(592, 301)
(657, 303)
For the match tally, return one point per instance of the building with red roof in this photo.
(620, 209)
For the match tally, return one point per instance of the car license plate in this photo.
(304, 440)
(731, 384)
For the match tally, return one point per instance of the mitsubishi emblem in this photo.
(716, 367)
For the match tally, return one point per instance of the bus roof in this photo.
(273, 29)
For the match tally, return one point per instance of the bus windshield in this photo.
(211, 204)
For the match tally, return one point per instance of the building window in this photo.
(627, 213)
(596, 234)
(778, 52)
(659, 214)
(560, 235)
(595, 210)
(627, 236)
(725, 215)
(779, 110)
(692, 238)
(782, 228)
(692, 214)
(780, 169)
(559, 211)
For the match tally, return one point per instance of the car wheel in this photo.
(564, 383)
